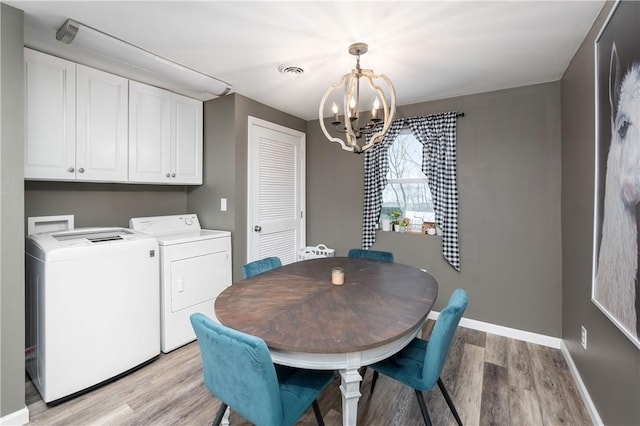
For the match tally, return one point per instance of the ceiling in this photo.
(429, 49)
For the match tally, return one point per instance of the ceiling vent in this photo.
(291, 70)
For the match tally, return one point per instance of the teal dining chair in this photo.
(238, 370)
(259, 266)
(387, 256)
(420, 363)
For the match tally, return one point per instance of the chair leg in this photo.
(362, 371)
(449, 401)
(318, 414)
(423, 407)
(373, 380)
(219, 414)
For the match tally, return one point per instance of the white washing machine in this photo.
(92, 307)
(195, 266)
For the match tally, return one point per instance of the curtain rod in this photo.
(460, 114)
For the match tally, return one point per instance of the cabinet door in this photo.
(149, 134)
(186, 140)
(101, 126)
(50, 99)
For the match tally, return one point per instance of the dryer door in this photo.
(198, 279)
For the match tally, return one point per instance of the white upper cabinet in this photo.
(186, 138)
(50, 117)
(76, 121)
(149, 134)
(101, 125)
(165, 136)
(82, 124)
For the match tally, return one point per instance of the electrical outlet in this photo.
(583, 337)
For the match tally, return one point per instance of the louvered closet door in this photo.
(276, 217)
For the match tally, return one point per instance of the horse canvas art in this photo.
(615, 279)
(616, 283)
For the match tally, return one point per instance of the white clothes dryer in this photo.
(195, 266)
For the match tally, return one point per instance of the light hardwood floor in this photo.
(492, 380)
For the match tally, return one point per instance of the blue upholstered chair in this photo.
(259, 266)
(420, 363)
(387, 256)
(239, 371)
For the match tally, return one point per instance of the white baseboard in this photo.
(591, 408)
(17, 418)
(513, 333)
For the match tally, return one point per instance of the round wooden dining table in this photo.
(308, 322)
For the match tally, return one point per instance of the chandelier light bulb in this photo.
(374, 111)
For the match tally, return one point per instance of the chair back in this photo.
(387, 256)
(259, 266)
(441, 336)
(238, 370)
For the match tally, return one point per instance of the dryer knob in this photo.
(188, 221)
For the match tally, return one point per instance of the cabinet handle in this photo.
(257, 228)
(81, 170)
(173, 175)
(168, 175)
(71, 169)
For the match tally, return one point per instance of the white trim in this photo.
(17, 418)
(539, 339)
(591, 408)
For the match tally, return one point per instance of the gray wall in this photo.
(102, 204)
(11, 213)
(509, 188)
(225, 156)
(610, 367)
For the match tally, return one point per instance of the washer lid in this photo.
(190, 236)
(81, 241)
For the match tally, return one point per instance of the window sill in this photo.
(408, 233)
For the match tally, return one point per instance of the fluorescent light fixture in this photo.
(111, 48)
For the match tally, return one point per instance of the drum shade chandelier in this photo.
(358, 134)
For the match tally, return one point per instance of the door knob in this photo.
(257, 228)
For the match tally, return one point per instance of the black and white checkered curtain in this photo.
(437, 133)
(376, 167)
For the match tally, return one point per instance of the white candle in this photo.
(337, 276)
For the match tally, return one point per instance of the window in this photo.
(407, 188)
